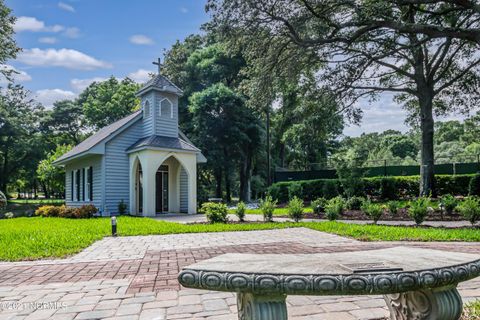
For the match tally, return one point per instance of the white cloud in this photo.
(35, 25)
(378, 116)
(17, 75)
(141, 39)
(140, 75)
(28, 24)
(72, 33)
(48, 40)
(48, 96)
(78, 85)
(66, 7)
(67, 58)
(183, 10)
(386, 114)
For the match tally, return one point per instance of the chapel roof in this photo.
(160, 83)
(163, 142)
(98, 137)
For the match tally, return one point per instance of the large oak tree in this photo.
(8, 46)
(424, 51)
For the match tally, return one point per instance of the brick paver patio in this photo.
(135, 278)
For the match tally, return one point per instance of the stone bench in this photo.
(416, 283)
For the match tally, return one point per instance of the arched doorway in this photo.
(171, 187)
(162, 187)
(138, 178)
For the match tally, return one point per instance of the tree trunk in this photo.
(45, 190)
(228, 192)
(248, 187)
(226, 171)
(242, 177)
(427, 173)
(218, 180)
(269, 177)
(282, 154)
(5, 171)
(245, 178)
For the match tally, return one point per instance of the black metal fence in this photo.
(377, 171)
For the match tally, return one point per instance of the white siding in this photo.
(117, 167)
(148, 125)
(96, 163)
(183, 190)
(165, 123)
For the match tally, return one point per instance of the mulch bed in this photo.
(402, 215)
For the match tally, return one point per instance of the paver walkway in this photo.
(135, 278)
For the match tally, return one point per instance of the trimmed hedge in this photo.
(474, 186)
(381, 187)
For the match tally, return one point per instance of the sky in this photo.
(69, 44)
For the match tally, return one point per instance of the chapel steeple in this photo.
(159, 100)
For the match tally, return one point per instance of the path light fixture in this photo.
(114, 226)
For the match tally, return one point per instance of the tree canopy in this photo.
(108, 101)
(8, 45)
(422, 51)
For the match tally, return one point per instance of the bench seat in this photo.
(416, 283)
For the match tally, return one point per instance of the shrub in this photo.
(68, 212)
(318, 205)
(474, 186)
(267, 206)
(334, 208)
(312, 189)
(279, 191)
(406, 186)
(449, 203)
(419, 209)
(9, 215)
(455, 185)
(372, 210)
(240, 211)
(122, 207)
(330, 189)
(355, 203)
(350, 177)
(470, 209)
(215, 212)
(85, 211)
(393, 207)
(295, 209)
(50, 211)
(388, 189)
(295, 190)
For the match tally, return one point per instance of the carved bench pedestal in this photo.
(261, 307)
(426, 304)
(417, 284)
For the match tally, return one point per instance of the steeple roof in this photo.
(160, 83)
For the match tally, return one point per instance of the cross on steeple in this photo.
(159, 64)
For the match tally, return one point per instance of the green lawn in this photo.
(35, 238)
(471, 311)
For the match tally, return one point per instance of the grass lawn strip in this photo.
(471, 311)
(37, 238)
